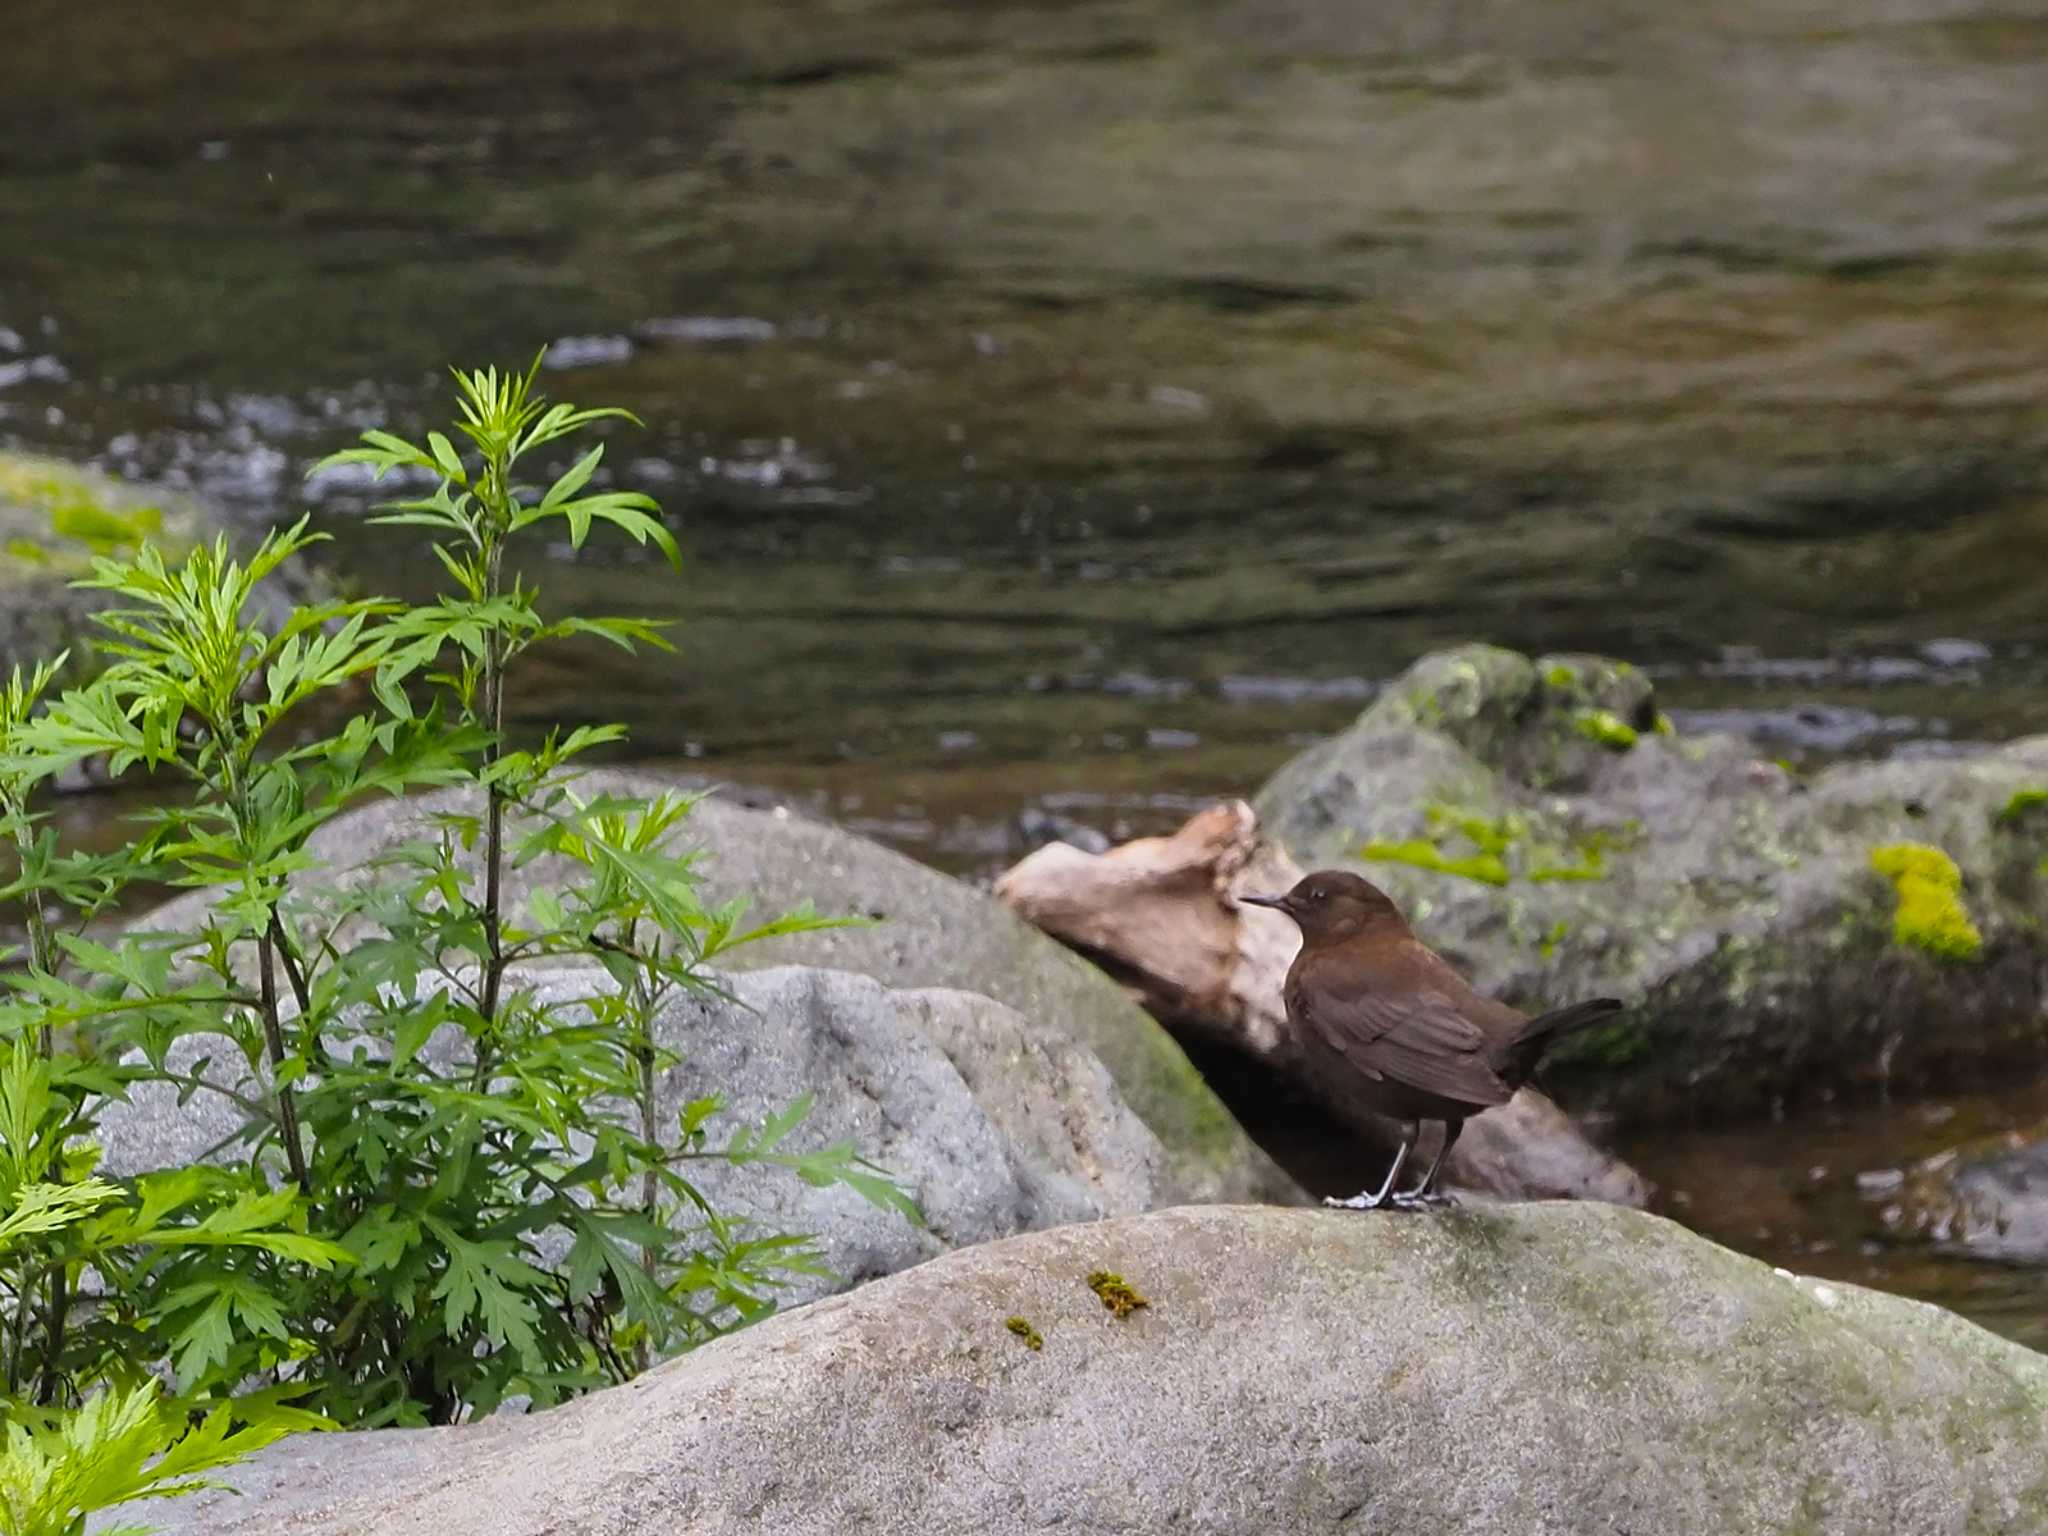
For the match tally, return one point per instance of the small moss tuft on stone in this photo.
(1023, 1329)
(1605, 727)
(1930, 914)
(1116, 1292)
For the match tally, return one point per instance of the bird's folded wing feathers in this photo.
(1422, 1040)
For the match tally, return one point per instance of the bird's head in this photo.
(1331, 906)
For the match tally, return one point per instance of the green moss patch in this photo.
(1930, 914)
(56, 515)
(1493, 850)
(1033, 1340)
(1484, 867)
(1115, 1292)
(1605, 727)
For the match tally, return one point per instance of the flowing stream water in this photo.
(1069, 410)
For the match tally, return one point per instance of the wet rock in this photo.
(928, 931)
(54, 517)
(1543, 1369)
(1987, 1198)
(1160, 913)
(1543, 827)
(995, 1124)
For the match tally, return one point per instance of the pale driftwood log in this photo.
(1160, 914)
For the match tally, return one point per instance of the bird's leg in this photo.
(1426, 1193)
(1365, 1202)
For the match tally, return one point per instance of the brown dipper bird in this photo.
(1385, 1022)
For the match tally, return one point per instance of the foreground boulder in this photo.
(1542, 1369)
(1544, 829)
(996, 1126)
(929, 931)
(1161, 913)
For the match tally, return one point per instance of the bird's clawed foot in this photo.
(1359, 1202)
(1421, 1200)
(1402, 1200)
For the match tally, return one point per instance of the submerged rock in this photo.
(929, 930)
(1544, 1369)
(994, 1125)
(1987, 1199)
(1542, 826)
(1161, 913)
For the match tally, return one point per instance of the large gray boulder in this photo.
(994, 1125)
(1546, 1370)
(929, 930)
(1543, 827)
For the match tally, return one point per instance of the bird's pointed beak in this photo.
(1277, 903)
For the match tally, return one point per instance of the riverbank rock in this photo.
(929, 930)
(1161, 914)
(1546, 1369)
(55, 517)
(1987, 1199)
(996, 1126)
(1544, 828)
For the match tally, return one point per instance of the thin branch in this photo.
(287, 1101)
(494, 826)
(294, 972)
(254, 1108)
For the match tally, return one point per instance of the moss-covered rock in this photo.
(54, 518)
(1767, 933)
(1542, 1370)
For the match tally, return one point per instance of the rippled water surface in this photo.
(1069, 410)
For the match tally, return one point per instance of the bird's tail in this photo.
(1536, 1036)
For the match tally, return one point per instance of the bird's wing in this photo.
(1411, 1029)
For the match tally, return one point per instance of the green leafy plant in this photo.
(122, 1446)
(446, 1184)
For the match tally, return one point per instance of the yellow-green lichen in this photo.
(1605, 727)
(1033, 1340)
(1663, 725)
(1930, 914)
(1115, 1292)
(1561, 676)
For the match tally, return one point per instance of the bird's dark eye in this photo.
(1316, 894)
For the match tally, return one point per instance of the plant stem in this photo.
(53, 1336)
(494, 820)
(650, 1186)
(294, 972)
(273, 1037)
(42, 959)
